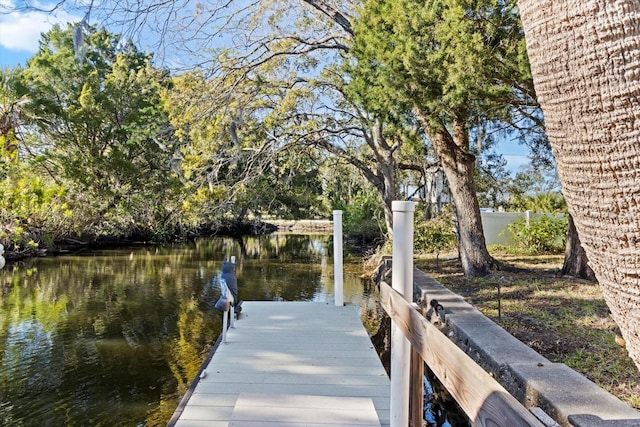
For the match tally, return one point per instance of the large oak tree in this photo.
(452, 63)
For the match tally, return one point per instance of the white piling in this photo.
(401, 281)
(225, 315)
(337, 258)
(232, 312)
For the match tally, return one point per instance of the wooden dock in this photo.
(292, 364)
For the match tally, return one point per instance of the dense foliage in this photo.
(540, 234)
(96, 144)
(434, 235)
(455, 66)
(100, 143)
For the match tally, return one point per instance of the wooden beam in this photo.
(416, 391)
(416, 384)
(482, 398)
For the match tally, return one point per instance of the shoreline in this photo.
(70, 246)
(312, 225)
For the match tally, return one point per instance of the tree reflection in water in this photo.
(115, 337)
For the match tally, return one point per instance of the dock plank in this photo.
(303, 410)
(290, 355)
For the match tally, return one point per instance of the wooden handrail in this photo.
(480, 396)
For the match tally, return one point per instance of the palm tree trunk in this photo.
(585, 61)
(576, 263)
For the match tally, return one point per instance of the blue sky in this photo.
(517, 158)
(20, 34)
(20, 31)
(11, 58)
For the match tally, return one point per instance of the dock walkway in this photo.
(292, 364)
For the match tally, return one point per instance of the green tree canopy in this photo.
(97, 121)
(453, 64)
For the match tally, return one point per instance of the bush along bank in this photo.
(30, 243)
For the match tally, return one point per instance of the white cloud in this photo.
(20, 31)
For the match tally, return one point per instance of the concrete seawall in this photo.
(303, 225)
(565, 395)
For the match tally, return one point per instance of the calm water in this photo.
(113, 338)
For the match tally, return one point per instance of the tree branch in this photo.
(340, 18)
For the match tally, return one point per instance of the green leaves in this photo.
(98, 128)
(440, 56)
(544, 233)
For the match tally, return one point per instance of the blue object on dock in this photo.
(229, 276)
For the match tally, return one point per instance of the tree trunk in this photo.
(458, 166)
(386, 168)
(576, 263)
(585, 61)
(388, 198)
(382, 177)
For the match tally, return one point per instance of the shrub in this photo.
(434, 235)
(363, 218)
(545, 233)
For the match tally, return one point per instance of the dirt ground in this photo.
(564, 319)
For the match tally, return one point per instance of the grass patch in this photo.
(566, 320)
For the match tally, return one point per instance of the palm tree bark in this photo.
(585, 61)
(576, 263)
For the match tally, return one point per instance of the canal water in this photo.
(114, 337)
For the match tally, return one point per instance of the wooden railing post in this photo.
(402, 281)
(416, 393)
(486, 403)
(416, 389)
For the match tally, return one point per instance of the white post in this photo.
(225, 314)
(401, 281)
(232, 312)
(337, 258)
